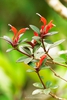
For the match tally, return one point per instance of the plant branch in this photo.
(46, 51)
(52, 62)
(60, 64)
(57, 75)
(41, 79)
(56, 97)
(23, 52)
(58, 7)
(53, 95)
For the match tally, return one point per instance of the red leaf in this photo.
(42, 58)
(21, 31)
(38, 64)
(49, 26)
(35, 34)
(13, 29)
(43, 20)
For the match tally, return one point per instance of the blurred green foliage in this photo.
(22, 13)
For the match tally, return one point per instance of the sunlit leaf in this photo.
(38, 85)
(37, 91)
(41, 91)
(59, 59)
(27, 50)
(36, 38)
(21, 59)
(52, 33)
(36, 47)
(44, 67)
(28, 60)
(54, 87)
(56, 43)
(46, 91)
(8, 50)
(35, 29)
(30, 70)
(25, 59)
(7, 39)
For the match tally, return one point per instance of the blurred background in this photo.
(15, 82)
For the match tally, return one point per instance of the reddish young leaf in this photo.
(38, 64)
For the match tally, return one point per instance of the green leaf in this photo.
(35, 29)
(48, 41)
(32, 64)
(59, 59)
(35, 60)
(41, 91)
(7, 39)
(36, 47)
(52, 33)
(48, 84)
(24, 40)
(25, 59)
(28, 60)
(56, 43)
(44, 67)
(21, 59)
(38, 85)
(46, 91)
(30, 70)
(38, 54)
(27, 50)
(54, 87)
(36, 38)
(8, 50)
(37, 91)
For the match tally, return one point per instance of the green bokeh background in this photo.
(14, 81)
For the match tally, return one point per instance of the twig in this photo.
(46, 51)
(57, 75)
(23, 52)
(60, 64)
(56, 97)
(53, 95)
(52, 62)
(41, 79)
(58, 7)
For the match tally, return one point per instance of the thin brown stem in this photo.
(53, 95)
(23, 52)
(57, 75)
(60, 64)
(45, 50)
(56, 97)
(51, 57)
(41, 79)
(52, 62)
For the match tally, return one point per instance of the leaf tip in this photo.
(10, 25)
(27, 28)
(38, 14)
